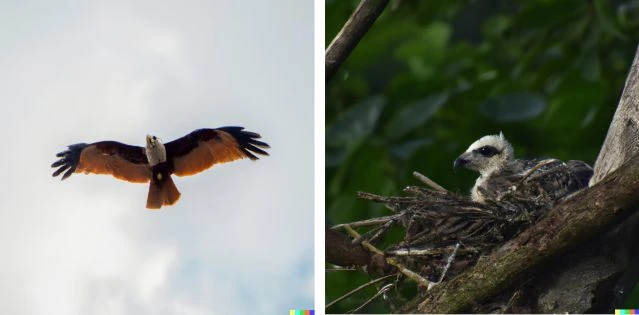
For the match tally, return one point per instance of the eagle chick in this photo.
(538, 181)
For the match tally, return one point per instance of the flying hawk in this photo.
(541, 181)
(185, 156)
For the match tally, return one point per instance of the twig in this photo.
(449, 262)
(340, 269)
(381, 230)
(538, 166)
(408, 273)
(428, 181)
(364, 243)
(351, 292)
(512, 301)
(369, 196)
(352, 32)
(391, 261)
(428, 252)
(380, 292)
(369, 222)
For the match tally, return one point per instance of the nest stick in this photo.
(365, 243)
(422, 178)
(391, 261)
(368, 222)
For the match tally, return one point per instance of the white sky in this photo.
(241, 236)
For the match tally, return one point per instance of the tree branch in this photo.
(341, 251)
(622, 140)
(352, 32)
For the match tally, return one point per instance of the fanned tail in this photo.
(162, 191)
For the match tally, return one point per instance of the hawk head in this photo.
(486, 155)
(151, 141)
(155, 150)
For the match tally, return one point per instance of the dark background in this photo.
(431, 77)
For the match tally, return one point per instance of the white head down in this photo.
(486, 155)
(155, 151)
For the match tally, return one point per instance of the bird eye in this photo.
(487, 151)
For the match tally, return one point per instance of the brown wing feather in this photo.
(204, 148)
(123, 161)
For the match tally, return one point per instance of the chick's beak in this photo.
(460, 162)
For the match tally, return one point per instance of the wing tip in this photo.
(247, 141)
(68, 161)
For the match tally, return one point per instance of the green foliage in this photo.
(633, 300)
(431, 77)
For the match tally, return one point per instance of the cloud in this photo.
(241, 236)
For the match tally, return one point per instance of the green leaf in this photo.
(496, 26)
(406, 150)
(423, 53)
(432, 41)
(513, 107)
(633, 298)
(591, 67)
(606, 20)
(414, 116)
(356, 123)
(350, 128)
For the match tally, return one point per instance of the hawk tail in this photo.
(162, 191)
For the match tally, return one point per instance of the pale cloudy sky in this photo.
(241, 236)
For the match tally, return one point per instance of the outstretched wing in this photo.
(204, 148)
(123, 161)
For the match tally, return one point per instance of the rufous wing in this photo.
(123, 161)
(204, 148)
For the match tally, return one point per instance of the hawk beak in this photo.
(460, 162)
(463, 160)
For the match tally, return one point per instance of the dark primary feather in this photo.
(247, 142)
(68, 160)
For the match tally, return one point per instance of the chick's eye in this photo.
(487, 151)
